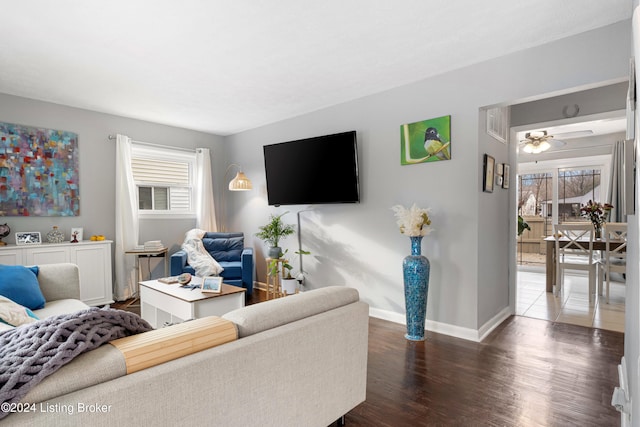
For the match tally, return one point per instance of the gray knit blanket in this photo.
(31, 352)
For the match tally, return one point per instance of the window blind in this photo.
(152, 171)
(174, 176)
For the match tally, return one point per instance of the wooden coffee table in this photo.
(161, 303)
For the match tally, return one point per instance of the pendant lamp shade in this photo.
(240, 183)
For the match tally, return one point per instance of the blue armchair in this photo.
(229, 251)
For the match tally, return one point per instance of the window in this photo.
(535, 195)
(575, 188)
(164, 180)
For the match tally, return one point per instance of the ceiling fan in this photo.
(536, 142)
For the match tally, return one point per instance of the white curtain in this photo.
(205, 210)
(616, 184)
(126, 221)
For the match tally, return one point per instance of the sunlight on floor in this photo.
(573, 307)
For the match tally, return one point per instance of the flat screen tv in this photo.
(317, 170)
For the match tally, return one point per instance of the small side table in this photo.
(273, 282)
(149, 254)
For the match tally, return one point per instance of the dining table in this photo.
(598, 245)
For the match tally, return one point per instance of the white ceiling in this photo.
(223, 66)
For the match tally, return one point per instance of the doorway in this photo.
(550, 189)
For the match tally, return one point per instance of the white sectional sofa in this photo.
(297, 361)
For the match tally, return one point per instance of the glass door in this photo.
(552, 197)
(535, 207)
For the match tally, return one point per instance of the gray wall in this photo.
(359, 245)
(494, 222)
(97, 166)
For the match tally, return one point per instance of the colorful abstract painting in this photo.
(425, 141)
(38, 171)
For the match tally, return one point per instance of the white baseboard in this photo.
(493, 323)
(387, 315)
(445, 328)
(433, 326)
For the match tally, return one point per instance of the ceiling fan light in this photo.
(528, 148)
(544, 146)
(537, 134)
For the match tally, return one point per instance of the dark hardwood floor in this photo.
(528, 372)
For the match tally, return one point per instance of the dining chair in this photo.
(614, 259)
(574, 251)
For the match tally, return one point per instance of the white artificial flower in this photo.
(414, 221)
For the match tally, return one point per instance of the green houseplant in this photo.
(286, 267)
(288, 282)
(272, 232)
(522, 225)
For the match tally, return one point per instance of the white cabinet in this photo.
(92, 258)
(94, 263)
(45, 254)
(10, 255)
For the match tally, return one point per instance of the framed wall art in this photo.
(425, 141)
(505, 178)
(489, 168)
(38, 171)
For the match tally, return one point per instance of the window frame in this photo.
(148, 152)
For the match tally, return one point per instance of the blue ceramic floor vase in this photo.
(415, 269)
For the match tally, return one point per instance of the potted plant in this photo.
(522, 225)
(287, 281)
(272, 232)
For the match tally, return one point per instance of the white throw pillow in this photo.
(14, 314)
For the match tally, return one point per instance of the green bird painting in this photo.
(425, 141)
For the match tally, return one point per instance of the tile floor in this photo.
(572, 307)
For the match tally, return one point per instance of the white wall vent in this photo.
(498, 123)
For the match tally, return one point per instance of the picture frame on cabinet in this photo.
(76, 235)
(212, 284)
(28, 238)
